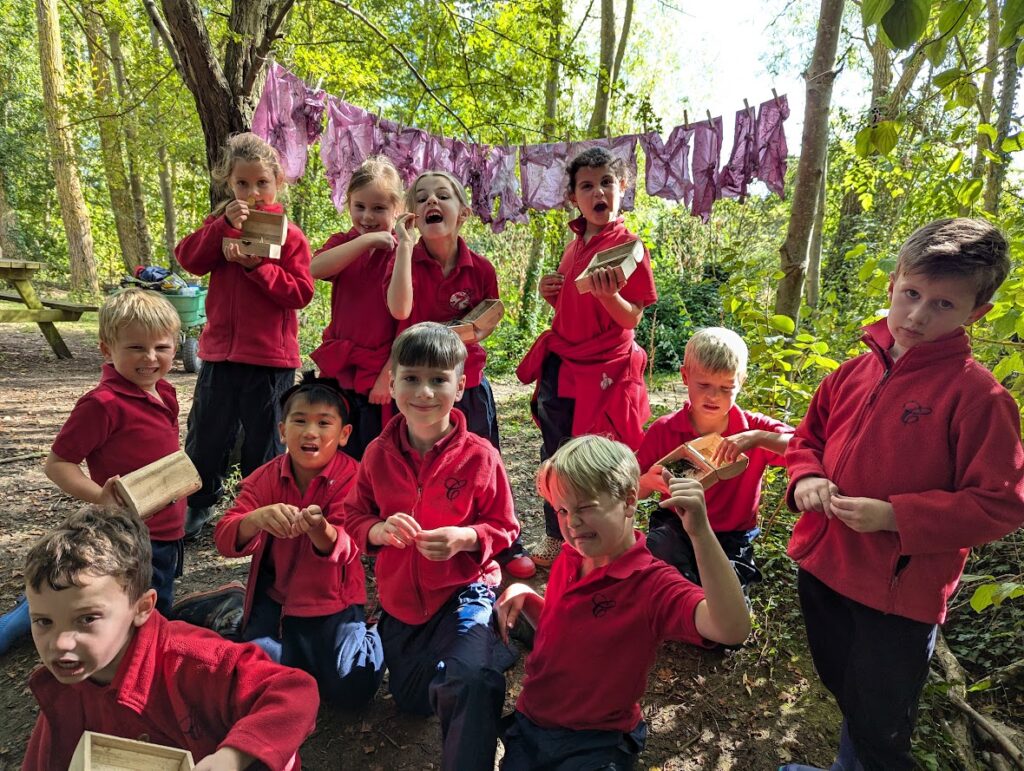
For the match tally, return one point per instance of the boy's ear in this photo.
(978, 313)
(631, 499)
(108, 355)
(391, 384)
(684, 373)
(346, 432)
(461, 387)
(144, 607)
(892, 282)
(280, 431)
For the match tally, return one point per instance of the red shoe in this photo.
(520, 567)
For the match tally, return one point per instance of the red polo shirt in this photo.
(598, 638)
(441, 298)
(581, 317)
(357, 341)
(117, 428)
(732, 503)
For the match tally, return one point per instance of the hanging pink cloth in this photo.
(288, 117)
(406, 147)
(623, 148)
(772, 151)
(707, 152)
(668, 164)
(735, 176)
(351, 136)
(499, 183)
(542, 171)
(439, 154)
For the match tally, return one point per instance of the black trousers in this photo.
(229, 395)
(554, 415)
(875, 664)
(366, 421)
(668, 541)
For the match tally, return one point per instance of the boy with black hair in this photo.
(432, 501)
(908, 456)
(113, 664)
(306, 588)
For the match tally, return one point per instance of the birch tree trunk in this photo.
(62, 153)
(110, 138)
(128, 121)
(165, 176)
(599, 117)
(810, 172)
(1007, 93)
(813, 289)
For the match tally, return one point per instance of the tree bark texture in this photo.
(8, 223)
(62, 153)
(812, 291)
(810, 172)
(110, 138)
(128, 121)
(986, 98)
(599, 117)
(1007, 93)
(164, 171)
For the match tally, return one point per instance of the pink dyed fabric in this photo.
(406, 147)
(707, 152)
(288, 117)
(542, 169)
(772, 150)
(500, 183)
(667, 172)
(735, 176)
(351, 136)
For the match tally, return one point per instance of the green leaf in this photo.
(820, 347)
(982, 597)
(884, 136)
(936, 51)
(855, 252)
(946, 77)
(782, 323)
(1020, 56)
(872, 11)
(966, 93)
(862, 142)
(953, 17)
(981, 685)
(905, 22)
(988, 130)
(1013, 144)
(826, 363)
(954, 165)
(1013, 15)
(867, 270)
(969, 191)
(1007, 366)
(803, 337)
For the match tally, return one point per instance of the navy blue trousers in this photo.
(528, 747)
(340, 650)
(366, 421)
(554, 415)
(229, 395)
(477, 404)
(668, 541)
(168, 561)
(452, 666)
(875, 664)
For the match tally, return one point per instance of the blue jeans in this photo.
(168, 561)
(452, 666)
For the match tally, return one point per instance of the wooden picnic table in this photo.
(18, 273)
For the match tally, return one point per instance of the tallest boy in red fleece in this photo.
(908, 456)
(432, 501)
(250, 345)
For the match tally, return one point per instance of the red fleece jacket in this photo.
(934, 434)
(180, 686)
(251, 314)
(309, 583)
(460, 481)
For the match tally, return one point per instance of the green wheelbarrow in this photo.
(192, 311)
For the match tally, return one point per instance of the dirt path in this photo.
(750, 709)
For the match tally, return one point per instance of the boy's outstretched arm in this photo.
(68, 477)
(722, 616)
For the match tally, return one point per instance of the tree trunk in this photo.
(810, 172)
(62, 154)
(166, 178)
(8, 223)
(627, 21)
(599, 117)
(110, 138)
(813, 289)
(986, 97)
(129, 121)
(1007, 92)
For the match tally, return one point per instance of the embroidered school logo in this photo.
(600, 605)
(605, 381)
(453, 487)
(912, 412)
(459, 301)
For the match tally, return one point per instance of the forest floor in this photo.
(750, 709)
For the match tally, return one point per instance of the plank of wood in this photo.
(37, 316)
(14, 297)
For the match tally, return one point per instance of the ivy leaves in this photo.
(902, 21)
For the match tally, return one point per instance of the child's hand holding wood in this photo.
(686, 496)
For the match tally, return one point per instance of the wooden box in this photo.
(147, 490)
(698, 454)
(479, 322)
(101, 752)
(263, 233)
(623, 258)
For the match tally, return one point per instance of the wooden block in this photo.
(263, 233)
(623, 258)
(147, 490)
(479, 322)
(698, 454)
(102, 752)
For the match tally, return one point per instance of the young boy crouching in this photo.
(608, 598)
(114, 665)
(306, 590)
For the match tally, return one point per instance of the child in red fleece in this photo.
(306, 589)
(714, 368)
(587, 367)
(358, 339)
(609, 604)
(250, 344)
(909, 455)
(432, 501)
(113, 664)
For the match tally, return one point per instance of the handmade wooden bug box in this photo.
(147, 490)
(479, 322)
(623, 258)
(263, 233)
(101, 752)
(693, 459)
